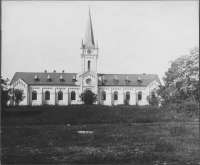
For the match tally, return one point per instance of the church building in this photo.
(54, 88)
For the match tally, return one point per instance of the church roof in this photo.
(54, 79)
(29, 78)
(122, 79)
(89, 37)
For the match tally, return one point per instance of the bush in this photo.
(153, 99)
(187, 107)
(88, 98)
(190, 107)
(126, 102)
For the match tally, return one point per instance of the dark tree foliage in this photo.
(153, 98)
(182, 78)
(18, 96)
(181, 89)
(4, 92)
(126, 101)
(88, 97)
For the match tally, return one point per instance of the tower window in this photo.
(139, 95)
(60, 95)
(34, 95)
(115, 95)
(47, 95)
(73, 95)
(104, 95)
(88, 65)
(127, 95)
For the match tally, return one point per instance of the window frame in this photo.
(89, 65)
(139, 96)
(115, 96)
(103, 95)
(47, 95)
(73, 95)
(128, 94)
(60, 95)
(34, 95)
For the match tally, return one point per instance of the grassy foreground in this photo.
(126, 135)
(84, 114)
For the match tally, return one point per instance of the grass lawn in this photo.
(26, 139)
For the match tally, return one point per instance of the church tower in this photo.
(89, 50)
(89, 55)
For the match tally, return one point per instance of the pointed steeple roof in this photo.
(89, 37)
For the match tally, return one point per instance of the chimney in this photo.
(54, 71)
(45, 71)
(63, 71)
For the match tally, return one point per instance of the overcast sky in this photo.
(134, 37)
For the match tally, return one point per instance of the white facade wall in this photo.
(107, 91)
(39, 91)
(66, 90)
(77, 94)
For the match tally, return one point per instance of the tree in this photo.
(88, 97)
(154, 98)
(126, 102)
(18, 96)
(4, 92)
(182, 79)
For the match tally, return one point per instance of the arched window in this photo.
(88, 65)
(115, 95)
(34, 95)
(73, 95)
(47, 95)
(60, 95)
(104, 95)
(127, 95)
(139, 95)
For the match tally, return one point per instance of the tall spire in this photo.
(89, 37)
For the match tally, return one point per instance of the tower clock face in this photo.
(88, 81)
(88, 51)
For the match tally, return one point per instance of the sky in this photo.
(134, 37)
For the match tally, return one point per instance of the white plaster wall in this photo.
(38, 89)
(143, 90)
(65, 96)
(108, 100)
(52, 96)
(92, 59)
(77, 98)
(132, 94)
(120, 95)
